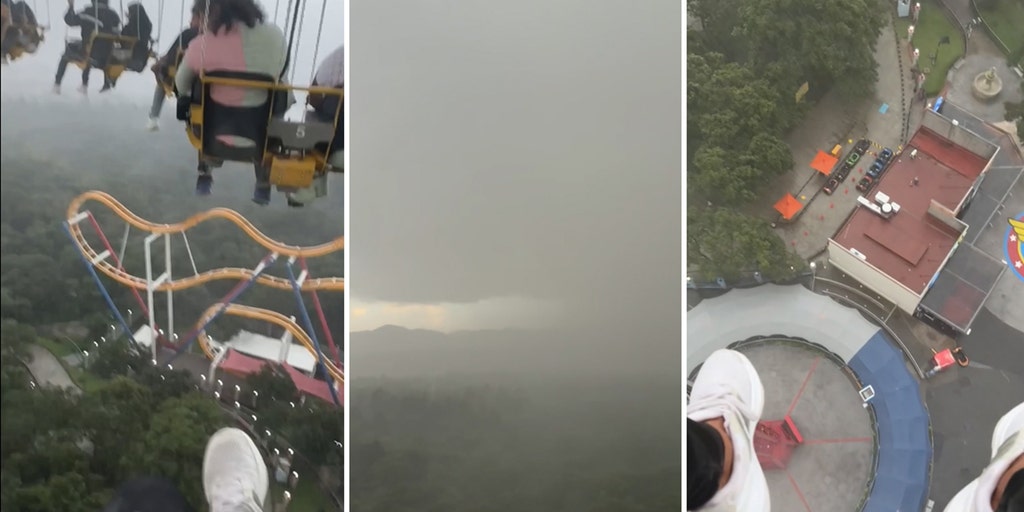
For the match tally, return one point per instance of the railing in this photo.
(242, 416)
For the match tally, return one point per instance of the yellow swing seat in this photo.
(296, 152)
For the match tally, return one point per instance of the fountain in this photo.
(987, 85)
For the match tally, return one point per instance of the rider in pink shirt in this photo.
(234, 38)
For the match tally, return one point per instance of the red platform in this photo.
(774, 442)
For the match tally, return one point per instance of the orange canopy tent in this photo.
(788, 206)
(823, 162)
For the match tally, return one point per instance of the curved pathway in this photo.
(46, 369)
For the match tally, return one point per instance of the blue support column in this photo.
(297, 290)
(103, 289)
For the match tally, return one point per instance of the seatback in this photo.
(223, 120)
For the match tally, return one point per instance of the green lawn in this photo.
(58, 348)
(931, 27)
(1006, 17)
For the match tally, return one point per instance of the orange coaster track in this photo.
(108, 263)
(102, 262)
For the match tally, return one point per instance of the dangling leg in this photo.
(62, 68)
(261, 192)
(204, 182)
(85, 79)
(159, 96)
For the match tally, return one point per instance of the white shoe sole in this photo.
(231, 435)
(732, 360)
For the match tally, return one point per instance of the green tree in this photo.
(117, 411)
(727, 104)
(174, 444)
(313, 431)
(824, 42)
(718, 23)
(272, 384)
(718, 176)
(724, 243)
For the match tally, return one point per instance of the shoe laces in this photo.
(233, 495)
(721, 397)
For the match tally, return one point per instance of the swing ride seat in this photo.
(119, 58)
(296, 152)
(29, 38)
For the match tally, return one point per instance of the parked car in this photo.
(885, 155)
(864, 184)
(876, 169)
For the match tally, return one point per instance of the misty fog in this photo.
(524, 150)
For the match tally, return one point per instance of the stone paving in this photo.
(983, 55)
(832, 470)
(833, 121)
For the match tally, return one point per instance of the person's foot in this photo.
(204, 184)
(261, 194)
(152, 124)
(56, 89)
(84, 89)
(728, 396)
(993, 486)
(106, 87)
(234, 473)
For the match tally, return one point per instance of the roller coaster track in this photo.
(109, 263)
(267, 316)
(101, 262)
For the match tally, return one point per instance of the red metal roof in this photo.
(911, 246)
(241, 365)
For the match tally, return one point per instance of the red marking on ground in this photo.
(799, 493)
(814, 366)
(840, 440)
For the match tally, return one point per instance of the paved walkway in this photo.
(836, 121)
(47, 370)
(793, 311)
(982, 55)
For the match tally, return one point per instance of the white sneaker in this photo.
(56, 89)
(234, 473)
(83, 89)
(152, 125)
(1007, 445)
(728, 387)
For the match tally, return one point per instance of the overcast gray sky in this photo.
(515, 164)
(32, 76)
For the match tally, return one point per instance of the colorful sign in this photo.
(1015, 246)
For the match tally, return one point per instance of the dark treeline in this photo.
(746, 61)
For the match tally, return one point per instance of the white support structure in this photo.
(152, 284)
(124, 242)
(170, 294)
(78, 218)
(286, 343)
